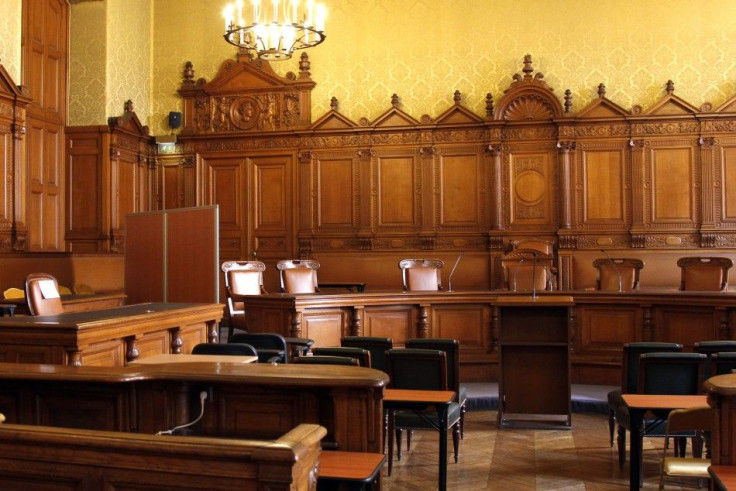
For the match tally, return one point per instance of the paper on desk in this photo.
(48, 289)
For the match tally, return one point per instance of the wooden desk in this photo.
(251, 401)
(723, 476)
(418, 400)
(638, 405)
(108, 337)
(361, 468)
(74, 303)
(601, 323)
(189, 358)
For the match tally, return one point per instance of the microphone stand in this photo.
(449, 278)
(516, 271)
(615, 268)
(534, 276)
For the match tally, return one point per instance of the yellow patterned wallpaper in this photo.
(110, 60)
(423, 50)
(87, 64)
(10, 32)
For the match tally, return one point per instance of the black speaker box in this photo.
(174, 119)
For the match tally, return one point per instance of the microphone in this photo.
(202, 397)
(516, 271)
(449, 278)
(615, 268)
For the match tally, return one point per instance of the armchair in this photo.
(298, 275)
(421, 274)
(618, 274)
(42, 294)
(241, 278)
(704, 273)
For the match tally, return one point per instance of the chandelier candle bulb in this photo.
(278, 37)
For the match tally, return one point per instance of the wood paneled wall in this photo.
(359, 196)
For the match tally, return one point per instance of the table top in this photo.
(420, 396)
(354, 466)
(724, 476)
(660, 401)
(181, 358)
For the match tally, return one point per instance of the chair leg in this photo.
(390, 431)
(230, 330)
(399, 432)
(409, 434)
(698, 445)
(611, 424)
(462, 422)
(456, 438)
(621, 440)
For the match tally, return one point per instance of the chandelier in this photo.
(273, 38)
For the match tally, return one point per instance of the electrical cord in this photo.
(202, 398)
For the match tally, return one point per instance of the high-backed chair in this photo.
(710, 348)
(618, 411)
(451, 347)
(695, 419)
(527, 269)
(42, 294)
(617, 274)
(271, 346)
(723, 363)
(704, 273)
(534, 244)
(419, 369)
(376, 345)
(229, 349)
(241, 278)
(326, 360)
(298, 275)
(421, 274)
(362, 355)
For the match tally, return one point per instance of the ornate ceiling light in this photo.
(289, 27)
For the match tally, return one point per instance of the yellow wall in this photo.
(10, 31)
(110, 60)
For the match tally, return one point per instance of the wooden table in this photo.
(724, 477)
(189, 358)
(418, 400)
(638, 405)
(72, 303)
(361, 468)
(108, 337)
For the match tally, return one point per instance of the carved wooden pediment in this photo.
(128, 122)
(528, 98)
(672, 105)
(333, 120)
(603, 107)
(394, 117)
(246, 96)
(458, 114)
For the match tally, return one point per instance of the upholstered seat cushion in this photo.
(686, 467)
(418, 279)
(299, 280)
(703, 278)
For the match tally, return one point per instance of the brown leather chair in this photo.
(421, 274)
(534, 244)
(528, 269)
(298, 275)
(617, 274)
(241, 278)
(42, 294)
(704, 273)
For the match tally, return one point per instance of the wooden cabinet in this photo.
(110, 172)
(534, 361)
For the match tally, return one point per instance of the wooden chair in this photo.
(42, 294)
(451, 347)
(534, 244)
(229, 349)
(421, 274)
(362, 355)
(710, 348)
(704, 273)
(241, 278)
(618, 411)
(694, 419)
(377, 346)
(528, 269)
(298, 275)
(419, 369)
(271, 347)
(326, 360)
(617, 274)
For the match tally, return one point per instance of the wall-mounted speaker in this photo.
(174, 119)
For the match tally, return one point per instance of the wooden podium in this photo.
(534, 361)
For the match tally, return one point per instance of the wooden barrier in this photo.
(44, 457)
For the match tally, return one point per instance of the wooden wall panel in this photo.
(728, 171)
(398, 192)
(532, 183)
(272, 200)
(462, 191)
(337, 193)
(673, 190)
(604, 186)
(225, 178)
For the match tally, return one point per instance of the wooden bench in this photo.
(45, 457)
(354, 469)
